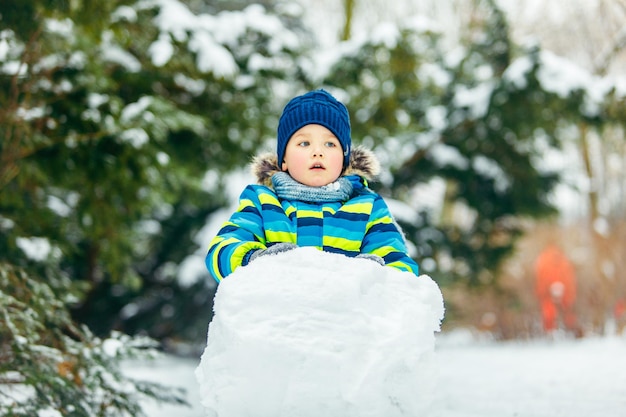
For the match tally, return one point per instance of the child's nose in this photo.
(318, 150)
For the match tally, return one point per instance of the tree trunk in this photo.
(593, 182)
(347, 27)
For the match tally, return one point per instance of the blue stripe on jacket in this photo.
(363, 224)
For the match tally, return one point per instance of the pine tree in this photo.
(51, 364)
(115, 134)
(471, 124)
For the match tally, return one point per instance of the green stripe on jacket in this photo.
(363, 224)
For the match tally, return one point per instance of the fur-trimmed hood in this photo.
(363, 163)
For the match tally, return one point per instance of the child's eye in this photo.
(331, 144)
(304, 143)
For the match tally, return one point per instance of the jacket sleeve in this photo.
(238, 237)
(384, 238)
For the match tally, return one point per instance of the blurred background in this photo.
(126, 128)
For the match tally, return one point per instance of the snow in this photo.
(4, 49)
(135, 110)
(35, 248)
(476, 99)
(481, 378)
(112, 346)
(293, 329)
(309, 333)
(137, 137)
(117, 55)
(436, 116)
(542, 378)
(161, 50)
(302, 318)
(211, 36)
(209, 53)
(491, 169)
(446, 155)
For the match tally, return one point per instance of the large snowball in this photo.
(309, 333)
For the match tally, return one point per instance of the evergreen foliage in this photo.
(470, 120)
(48, 363)
(112, 158)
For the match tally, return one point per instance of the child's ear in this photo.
(283, 166)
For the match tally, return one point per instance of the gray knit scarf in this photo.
(289, 189)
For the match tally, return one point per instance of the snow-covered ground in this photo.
(542, 378)
(548, 378)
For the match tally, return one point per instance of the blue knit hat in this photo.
(314, 107)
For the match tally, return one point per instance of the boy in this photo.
(312, 192)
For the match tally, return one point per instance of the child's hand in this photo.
(273, 250)
(372, 257)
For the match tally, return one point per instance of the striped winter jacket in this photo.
(362, 224)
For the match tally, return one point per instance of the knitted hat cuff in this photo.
(315, 107)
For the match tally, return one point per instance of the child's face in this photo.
(313, 156)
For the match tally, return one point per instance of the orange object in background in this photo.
(556, 288)
(619, 312)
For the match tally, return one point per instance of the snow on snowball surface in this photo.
(309, 333)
